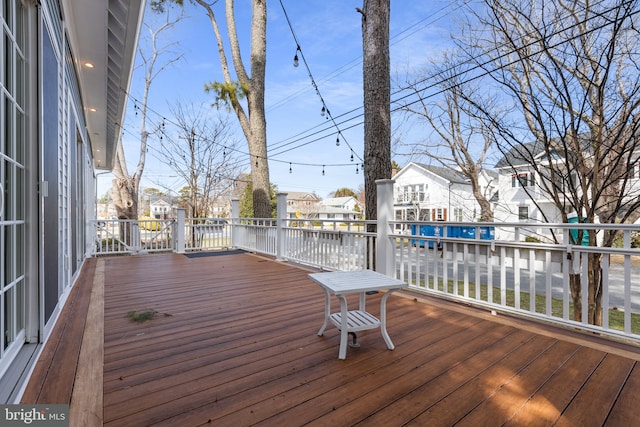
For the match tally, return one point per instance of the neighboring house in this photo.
(66, 69)
(302, 205)
(160, 209)
(220, 208)
(345, 208)
(522, 198)
(518, 186)
(432, 193)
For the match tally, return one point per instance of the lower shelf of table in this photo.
(357, 320)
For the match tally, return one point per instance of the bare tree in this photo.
(570, 69)
(239, 86)
(125, 187)
(462, 139)
(377, 98)
(203, 155)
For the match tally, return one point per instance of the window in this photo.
(411, 193)
(523, 213)
(419, 195)
(457, 214)
(523, 179)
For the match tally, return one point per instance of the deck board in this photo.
(234, 343)
(238, 347)
(55, 371)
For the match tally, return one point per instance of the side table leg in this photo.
(344, 333)
(327, 312)
(383, 320)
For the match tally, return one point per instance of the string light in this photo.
(323, 111)
(163, 125)
(295, 58)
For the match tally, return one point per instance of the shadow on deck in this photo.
(234, 342)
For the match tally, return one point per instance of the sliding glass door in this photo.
(12, 180)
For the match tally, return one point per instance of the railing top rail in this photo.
(561, 225)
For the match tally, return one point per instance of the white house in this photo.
(522, 196)
(346, 208)
(160, 209)
(519, 189)
(431, 193)
(66, 69)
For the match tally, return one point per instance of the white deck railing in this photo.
(479, 266)
(527, 279)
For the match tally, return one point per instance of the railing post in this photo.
(281, 217)
(180, 227)
(235, 215)
(385, 250)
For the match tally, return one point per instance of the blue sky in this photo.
(299, 138)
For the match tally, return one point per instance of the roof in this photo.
(160, 202)
(535, 151)
(104, 34)
(446, 173)
(520, 155)
(301, 195)
(338, 201)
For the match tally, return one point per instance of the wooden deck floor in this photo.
(234, 343)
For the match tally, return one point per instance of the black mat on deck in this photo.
(213, 253)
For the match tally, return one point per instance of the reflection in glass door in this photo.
(12, 181)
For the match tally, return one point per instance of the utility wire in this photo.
(477, 66)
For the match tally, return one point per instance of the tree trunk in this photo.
(595, 289)
(258, 122)
(377, 114)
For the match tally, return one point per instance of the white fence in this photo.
(462, 261)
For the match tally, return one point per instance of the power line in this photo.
(477, 66)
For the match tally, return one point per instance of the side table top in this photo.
(346, 282)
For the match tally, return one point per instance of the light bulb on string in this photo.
(322, 170)
(337, 141)
(323, 111)
(290, 169)
(295, 58)
(352, 156)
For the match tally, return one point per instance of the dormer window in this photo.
(523, 179)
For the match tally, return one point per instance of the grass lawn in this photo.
(616, 317)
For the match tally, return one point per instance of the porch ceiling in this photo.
(104, 34)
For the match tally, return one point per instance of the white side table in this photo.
(342, 283)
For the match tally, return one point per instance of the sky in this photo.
(301, 142)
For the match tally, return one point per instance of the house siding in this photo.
(47, 179)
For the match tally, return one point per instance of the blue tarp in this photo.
(455, 231)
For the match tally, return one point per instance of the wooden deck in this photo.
(234, 343)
